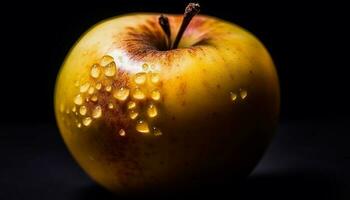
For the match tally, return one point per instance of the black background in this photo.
(307, 41)
(303, 38)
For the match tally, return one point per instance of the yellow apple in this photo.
(140, 115)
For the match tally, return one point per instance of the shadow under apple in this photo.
(272, 186)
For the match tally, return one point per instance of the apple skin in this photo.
(206, 136)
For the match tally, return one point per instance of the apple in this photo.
(143, 107)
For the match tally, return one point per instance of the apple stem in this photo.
(164, 23)
(191, 10)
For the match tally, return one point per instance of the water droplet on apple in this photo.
(97, 112)
(76, 83)
(156, 131)
(82, 110)
(145, 66)
(94, 98)
(98, 86)
(61, 108)
(233, 96)
(106, 60)
(121, 94)
(91, 90)
(142, 126)
(84, 88)
(155, 95)
(131, 104)
(78, 100)
(122, 132)
(138, 94)
(87, 121)
(95, 71)
(110, 105)
(155, 78)
(79, 125)
(110, 69)
(108, 88)
(133, 114)
(243, 93)
(140, 78)
(152, 111)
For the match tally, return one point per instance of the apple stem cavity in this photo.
(164, 23)
(191, 10)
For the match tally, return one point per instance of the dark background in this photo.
(307, 40)
(303, 38)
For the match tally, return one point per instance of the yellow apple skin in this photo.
(218, 106)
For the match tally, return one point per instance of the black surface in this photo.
(300, 164)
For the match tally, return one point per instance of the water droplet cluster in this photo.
(142, 96)
(242, 93)
(137, 100)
